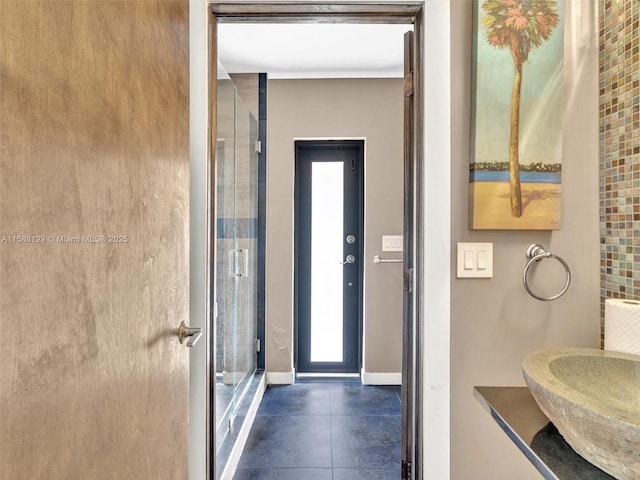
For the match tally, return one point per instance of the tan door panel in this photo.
(94, 203)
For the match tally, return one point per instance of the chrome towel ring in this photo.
(535, 253)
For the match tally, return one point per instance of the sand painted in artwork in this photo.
(540, 202)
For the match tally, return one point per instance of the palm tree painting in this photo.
(517, 124)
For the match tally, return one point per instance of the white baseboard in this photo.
(372, 378)
(281, 378)
(234, 457)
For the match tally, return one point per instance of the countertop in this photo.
(517, 413)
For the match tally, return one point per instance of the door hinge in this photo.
(258, 146)
(408, 85)
(406, 470)
(408, 280)
(257, 344)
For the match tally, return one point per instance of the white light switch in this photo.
(392, 243)
(482, 259)
(475, 260)
(468, 260)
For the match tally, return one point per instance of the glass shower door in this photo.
(236, 253)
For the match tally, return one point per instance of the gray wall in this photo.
(353, 108)
(494, 322)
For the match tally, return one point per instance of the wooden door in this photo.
(94, 204)
(412, 251)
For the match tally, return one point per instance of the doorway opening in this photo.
(361, 13)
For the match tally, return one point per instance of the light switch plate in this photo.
(475, 260)
(392, 243)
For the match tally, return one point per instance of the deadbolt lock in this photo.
(350, 259)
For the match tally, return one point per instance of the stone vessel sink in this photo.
(593, 398)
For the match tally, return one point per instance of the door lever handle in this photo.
(349, 259)
(192, 333)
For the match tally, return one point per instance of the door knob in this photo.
(349, 259)
(192, 333)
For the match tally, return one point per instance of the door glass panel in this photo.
(327, 220)
(236, 210)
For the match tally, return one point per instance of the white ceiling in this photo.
(312, 50)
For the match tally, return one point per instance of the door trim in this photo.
(314, 12)
(360, 12)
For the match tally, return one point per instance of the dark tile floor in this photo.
(324, 429)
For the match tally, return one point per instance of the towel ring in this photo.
(535, 253)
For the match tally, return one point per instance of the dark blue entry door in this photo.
(328, 251)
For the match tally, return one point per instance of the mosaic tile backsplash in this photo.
(619, 63)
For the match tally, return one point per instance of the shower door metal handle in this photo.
(192, 333)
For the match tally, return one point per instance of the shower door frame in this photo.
(364, 12)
